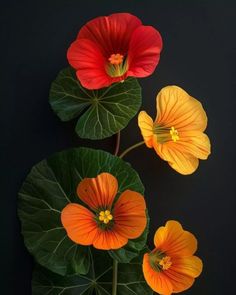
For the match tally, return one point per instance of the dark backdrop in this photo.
(199, 55)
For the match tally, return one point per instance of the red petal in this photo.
(112, 33)
(144, 51)
(86, 57)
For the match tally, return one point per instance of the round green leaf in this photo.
(48, 188)
(130, 280)
(102, 112)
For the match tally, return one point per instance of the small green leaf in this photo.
(103, 112)
(48, 188)
(98, 281)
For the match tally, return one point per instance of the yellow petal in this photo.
(195, 143)
(177, 158)
(145, 123)
(175, 107)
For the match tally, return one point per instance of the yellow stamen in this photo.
(116, 59)
(165, 262)
(105, 216)
(174, 134)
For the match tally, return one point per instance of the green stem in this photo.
(114, 281)
(131, 148)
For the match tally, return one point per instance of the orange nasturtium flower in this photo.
(171, 266)
(107, 224)
(177, 132)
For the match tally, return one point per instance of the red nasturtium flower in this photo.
(107, 224)
(111, 48)
(171, 267)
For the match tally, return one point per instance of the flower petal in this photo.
(144, 51)
(79, 224)
(175, 107)
(156, 280)
(190, 266)
(180, 282)
(86, 57)
(195, 143)
(129, 215)
(98, 192)
(177, 157)
(145, 123)
(109, 239)
(175, 241)
(112, 33)
(183, 271)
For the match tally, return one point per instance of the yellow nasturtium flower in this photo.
(177, 132)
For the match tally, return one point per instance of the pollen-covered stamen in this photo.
(105, 216)
(116, 59)
(117, 65)
(174, 134)
(165, 262)
(165, 134)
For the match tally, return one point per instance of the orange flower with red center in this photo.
(171, 266)
(177, 132)
(107, 224)
(111, 48)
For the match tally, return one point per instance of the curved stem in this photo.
(117, 144)
(131, 148)
(114, 281)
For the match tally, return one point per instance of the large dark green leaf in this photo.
(103, 112)
(49, 187)
(98, 281)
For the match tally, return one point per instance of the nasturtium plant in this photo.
(101, 113)
(49, 187)
(130, 280)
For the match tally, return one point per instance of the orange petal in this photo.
(195, 143)
(175, 241)
(145, 124)
(79, 224)
(158, 281)
(98, 192)
(190, 266)
(177, 157)
(175, 107)
(108, 240)
(183, 271)
(129, 215)
(180, 282)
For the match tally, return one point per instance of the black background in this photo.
(199, 55)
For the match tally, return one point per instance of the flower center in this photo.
(165, 262)
(105, 216)
(165, 134)
(116, 59)
(117, 65)
(159, 261)
(174, 134)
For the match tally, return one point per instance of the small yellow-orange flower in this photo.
(177, 132)
(106, 224)
(171, 266)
